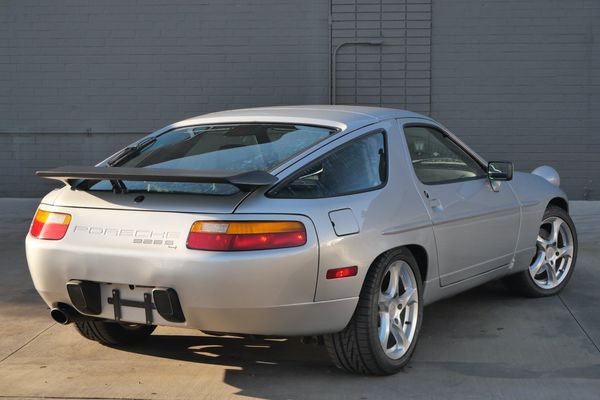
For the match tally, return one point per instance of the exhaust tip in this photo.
(60, 316)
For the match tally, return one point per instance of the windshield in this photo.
(236, 147)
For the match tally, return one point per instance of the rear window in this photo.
(236, 147)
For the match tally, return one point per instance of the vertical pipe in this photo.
(329, 50)
(380, 53)
(405, 52)
(430, 57)
(355, 52)
(373, 42)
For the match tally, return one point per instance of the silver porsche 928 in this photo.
(328, 221)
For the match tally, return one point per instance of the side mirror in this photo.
(500, 170)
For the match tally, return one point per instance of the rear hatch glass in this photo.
(235, 147)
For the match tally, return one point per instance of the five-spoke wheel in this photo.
(383, 332)
(554, 259)
(398, 309)
(554, 256)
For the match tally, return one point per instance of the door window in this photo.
(437, 159)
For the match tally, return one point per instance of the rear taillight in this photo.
(50, 225)
(245, 235)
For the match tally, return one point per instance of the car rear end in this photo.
(177, 253)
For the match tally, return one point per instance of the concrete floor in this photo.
(486, 343)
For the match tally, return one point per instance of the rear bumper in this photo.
(261, 292)
(313, 318)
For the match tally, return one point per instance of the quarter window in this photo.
(358, 166)
(437, 159)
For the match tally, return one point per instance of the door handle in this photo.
(436, 204)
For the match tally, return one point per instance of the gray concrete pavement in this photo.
(486, 343)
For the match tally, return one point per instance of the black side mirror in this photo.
(500, 170)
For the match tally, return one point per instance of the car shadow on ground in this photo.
(265, 368)
(260, 366)
(254, 355)
(262, 352)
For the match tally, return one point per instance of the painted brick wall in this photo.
(116, 68)
(395, 73)
(520, 80)
(517, 80)
(22, 154)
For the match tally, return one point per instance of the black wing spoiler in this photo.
(245, 181)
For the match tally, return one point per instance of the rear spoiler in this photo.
(245, 181)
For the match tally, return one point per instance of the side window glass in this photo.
(358, 166)
(437, 159)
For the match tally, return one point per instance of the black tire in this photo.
(522, 282)
(111, 333)
(357, 349)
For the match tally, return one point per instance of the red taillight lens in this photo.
(342, 272)
(50, 225)
(235, 236)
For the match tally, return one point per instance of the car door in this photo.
(475, 224)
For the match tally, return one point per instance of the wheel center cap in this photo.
(550, 251)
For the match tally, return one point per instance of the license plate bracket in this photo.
(118, 302)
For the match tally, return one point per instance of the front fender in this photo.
(534, 194)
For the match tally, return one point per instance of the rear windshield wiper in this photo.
(129, 152)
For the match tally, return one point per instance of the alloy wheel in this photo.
(398, 309)
(554, 256)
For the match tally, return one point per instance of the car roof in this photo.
(337, 116)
